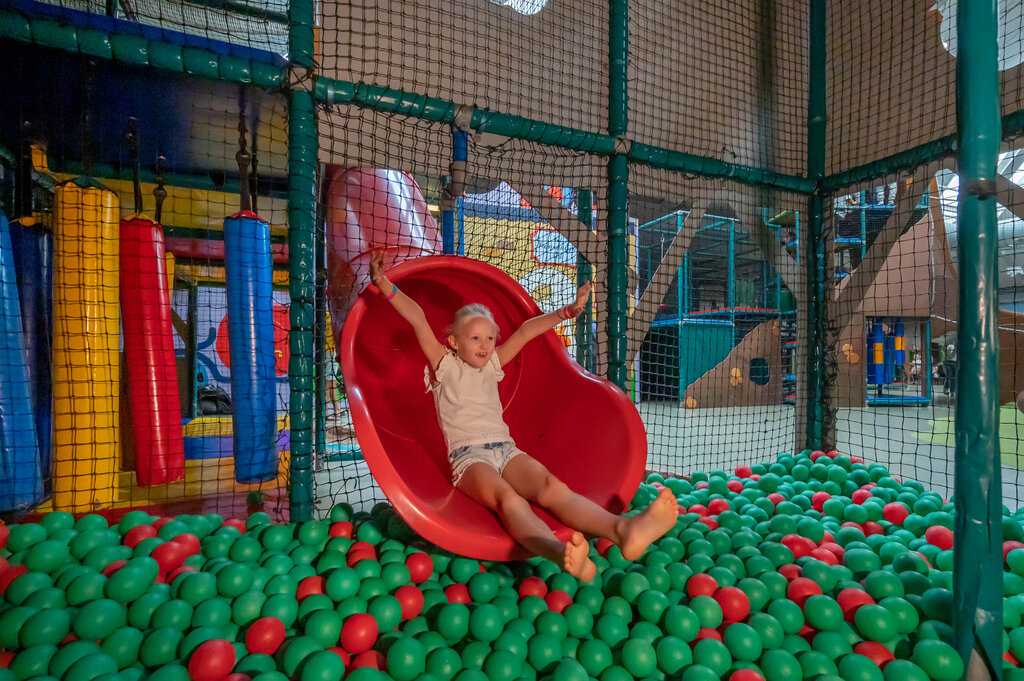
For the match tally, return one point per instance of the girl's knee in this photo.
(508, 501)
(551, 490)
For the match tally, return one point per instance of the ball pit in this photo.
(814, 566)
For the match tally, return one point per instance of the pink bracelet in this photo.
(565, 312)
(394, 292)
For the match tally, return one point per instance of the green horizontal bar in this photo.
(139, 51)
(391, 100)
(1013, 125)
(657, 157)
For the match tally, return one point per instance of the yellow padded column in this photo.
(86, 366)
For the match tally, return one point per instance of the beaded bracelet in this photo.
(566, 312)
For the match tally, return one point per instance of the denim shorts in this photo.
(494, 454)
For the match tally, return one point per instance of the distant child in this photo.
(486, 465)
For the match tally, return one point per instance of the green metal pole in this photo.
(977, 558)
(618, 193)
(302, 166)
(815, 262)
(584, 273)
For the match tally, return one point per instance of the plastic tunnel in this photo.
(583, 428)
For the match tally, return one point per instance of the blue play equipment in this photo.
(248, 267)
(886, 349)
(21, 481)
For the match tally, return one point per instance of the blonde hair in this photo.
(468, 312)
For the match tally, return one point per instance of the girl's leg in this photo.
(532, 480)
(482, 483)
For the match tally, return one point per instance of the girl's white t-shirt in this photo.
(467, 402)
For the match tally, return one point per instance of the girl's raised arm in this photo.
(535, 326)
(408, 308)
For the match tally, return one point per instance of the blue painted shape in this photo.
(21, 484)
(249, 286)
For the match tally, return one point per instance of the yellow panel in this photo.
(879, 353)
(86, 365)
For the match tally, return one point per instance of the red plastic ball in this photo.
(133, 536)
(817, 454)
(734, 486)
(1008, 656)
(6, 657)
(212, 660)
(9, 575)
(169, 556)
(411, 599)
(716, 506)
(790, 571)
(850, 599)
(236, 523)
(701, 485)
(160, 522)
(701, 584)
(776, 498)
(178, 572)
(346, 659)
(341, 528)
(111, 568)
(860, 496)
(421, 567)
(604, 544)
(190, 542)
(457, 593)
(709, 521)
(894, 511)
(707, 632)
(265, 635)
(818, 500)
(743, 471)
(802, 588)
(5, 532)
(558, 600)
(800, 546)
(533, 586)
(833, 548)
(699, 509)
(871, 527)
(876, 652)
(359, 633)
(939, 536)
(832, 453)
(314, 584)
(370, 658)
(735, 604)
(362, 546)
(824, 555)
(745, 675)
(1010, 546)
(237, 676)
(353, 557)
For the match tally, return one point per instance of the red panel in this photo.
(583, 428)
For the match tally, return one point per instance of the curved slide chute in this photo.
(370, 208)
(583, 428)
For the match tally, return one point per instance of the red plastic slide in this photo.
(583, 428)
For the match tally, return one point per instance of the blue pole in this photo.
(451, 195)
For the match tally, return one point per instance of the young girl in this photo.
(486, 465)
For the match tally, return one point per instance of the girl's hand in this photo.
(377, 277)
(577, 308)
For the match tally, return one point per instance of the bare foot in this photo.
(656, 520)
(576, 561)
